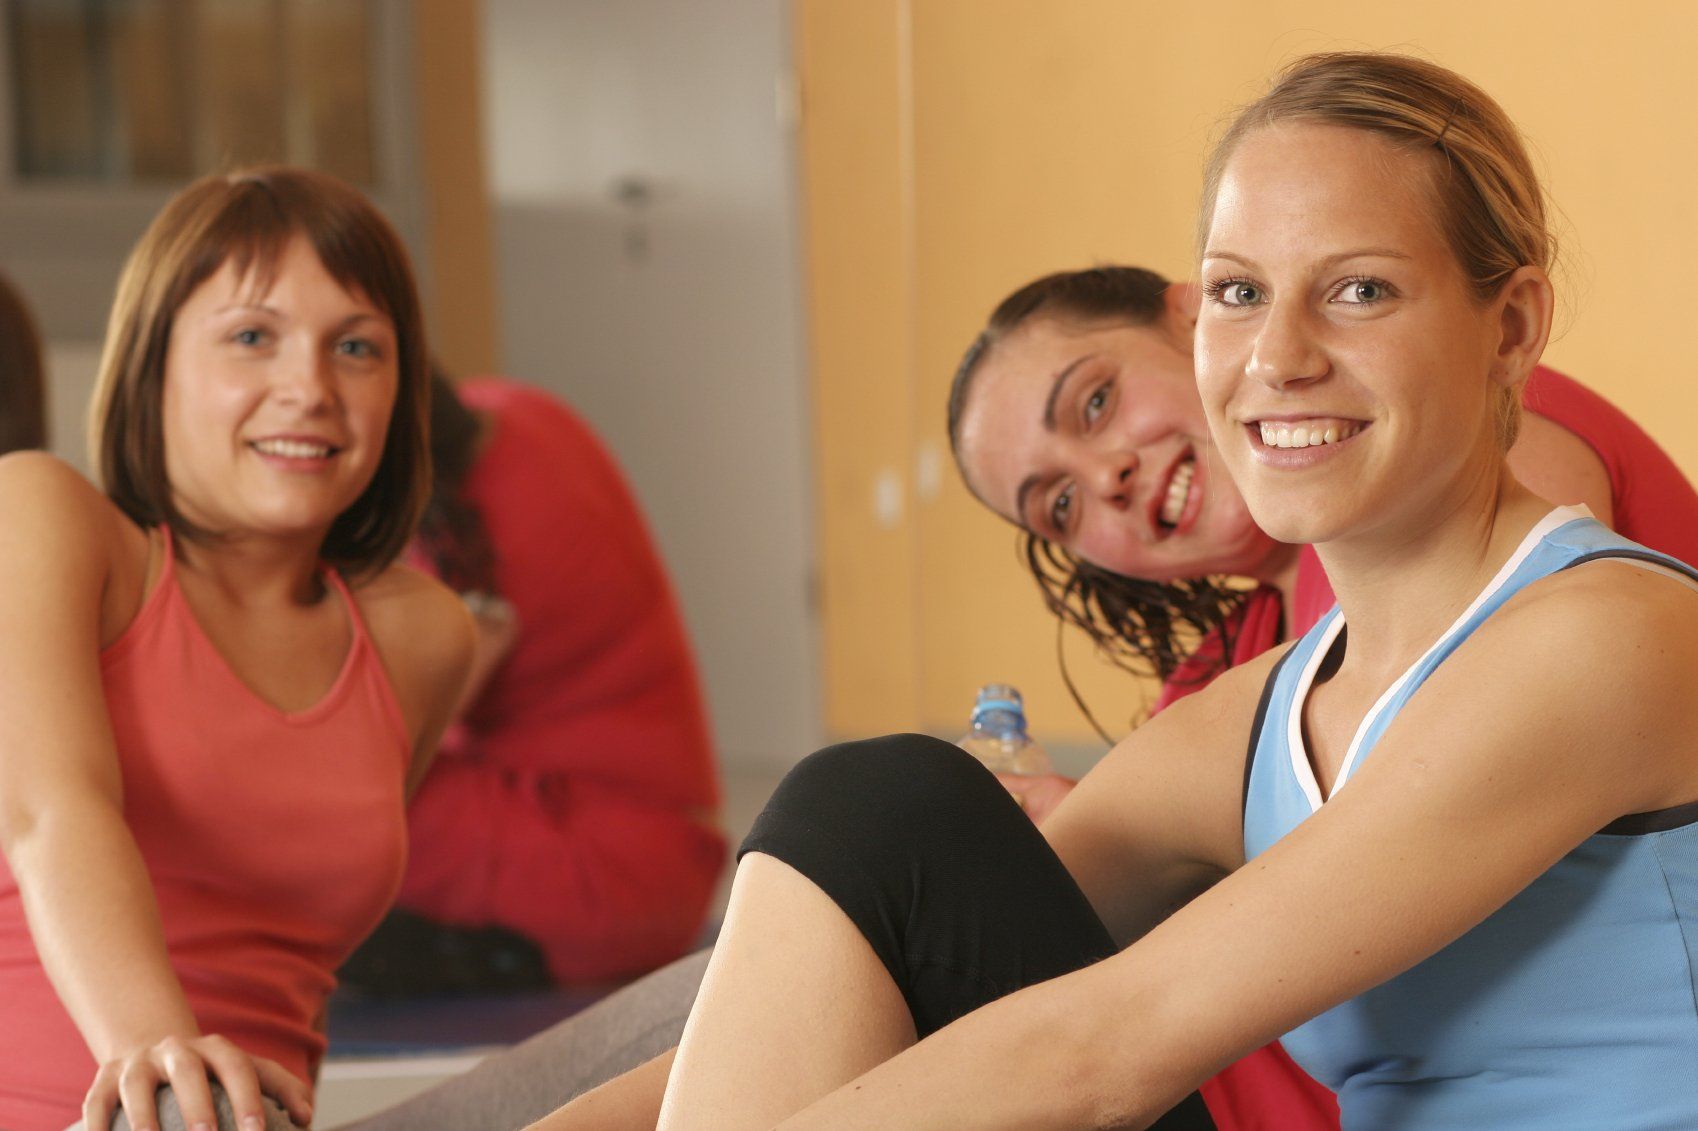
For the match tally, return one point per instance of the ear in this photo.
(1181, 302)
(1524, 307)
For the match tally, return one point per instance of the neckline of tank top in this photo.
(1554, 519)
(166, 585)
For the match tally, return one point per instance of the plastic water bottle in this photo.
(997, 735)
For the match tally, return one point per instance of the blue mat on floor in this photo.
(361, 1026)
(434, 1025)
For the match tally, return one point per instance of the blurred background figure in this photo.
(23, 394)
(568, 830)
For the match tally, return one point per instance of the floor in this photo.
(368, 1074)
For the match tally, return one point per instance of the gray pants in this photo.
(524, 1083)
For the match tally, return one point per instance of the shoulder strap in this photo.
(1256, 734)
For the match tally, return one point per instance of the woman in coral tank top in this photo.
(216, 688)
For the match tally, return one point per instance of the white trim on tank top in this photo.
(1300, 763)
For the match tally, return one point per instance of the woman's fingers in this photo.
(286, 1088)
(138, 1080)
(1038, 794)
(184, 1068)
(238, 1073)
(190, 1066)
(102, 1099)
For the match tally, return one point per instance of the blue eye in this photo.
(1363, 291)
(1234, 292)
(356, 347)
(248, 337)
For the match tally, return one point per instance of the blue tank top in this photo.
(1575, 1005)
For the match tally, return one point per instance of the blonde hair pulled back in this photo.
(1489, 202)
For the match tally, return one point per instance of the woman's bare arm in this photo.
(1467, 798)
(426, 638)
(85, 889)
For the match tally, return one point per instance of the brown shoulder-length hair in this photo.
(23, 391)
(247, 218)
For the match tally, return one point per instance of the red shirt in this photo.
(574, 805)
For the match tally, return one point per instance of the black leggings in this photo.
(958, 893)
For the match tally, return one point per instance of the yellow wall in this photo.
(460, 297)
(1040, 136)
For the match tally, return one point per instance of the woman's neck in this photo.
(1399, 589)
(255, 570)
(1279, 569)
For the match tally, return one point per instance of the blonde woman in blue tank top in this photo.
(1468, 875)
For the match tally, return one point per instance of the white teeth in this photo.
(1277, 435)
(1178, 491)
(292, 449)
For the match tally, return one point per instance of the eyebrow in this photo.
(1329, 261)
(1057, 383)
(352, 319)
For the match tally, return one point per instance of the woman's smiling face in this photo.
(1091, 435)
(276, 405)
(1345, 365)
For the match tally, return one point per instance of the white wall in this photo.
(71, 369)
(674, 327)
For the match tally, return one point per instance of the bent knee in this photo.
(900, 763)
(879, 793)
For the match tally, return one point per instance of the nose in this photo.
(1285, 353)
(307, 379)
(1110, 474)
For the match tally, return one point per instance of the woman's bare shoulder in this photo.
(1597, 660)
(1617, 608)
(62, 519)
(1225, 710)
(1191, 757)
(408, 606)
(423, 632)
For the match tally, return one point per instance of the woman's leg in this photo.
(794, 1003)
(890, 887)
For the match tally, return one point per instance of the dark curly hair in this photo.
(1143, 627)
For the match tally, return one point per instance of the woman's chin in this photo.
(1286, 520)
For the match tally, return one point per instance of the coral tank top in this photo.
(274, 842)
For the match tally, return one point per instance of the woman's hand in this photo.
(497, 624)
(187, 1064)
(1038, 794)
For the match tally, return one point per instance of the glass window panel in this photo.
(149, 60)
(239, 95)
(139, 90)
(57, 69)
(329, 65)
